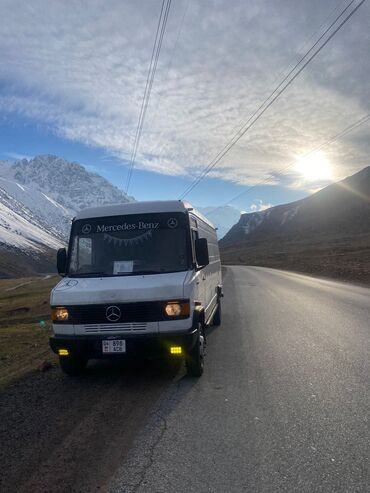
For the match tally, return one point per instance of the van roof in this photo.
(140, 208)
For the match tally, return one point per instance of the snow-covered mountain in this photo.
(55, 189)
(38, 199)
(21, 228)
(223, 217)
(70, 185)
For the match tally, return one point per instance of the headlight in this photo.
(59, 314)
(177, 309)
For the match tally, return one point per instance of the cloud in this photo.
(17, 156)
(258, 205)
(81, 72)
(91, 168)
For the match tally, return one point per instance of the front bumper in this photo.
(149, 345)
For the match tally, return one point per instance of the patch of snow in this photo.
(254, 220)
(289, 215)
(20, 229)
(55, 203)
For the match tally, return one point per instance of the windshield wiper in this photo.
(105, 274)
(140, 272)
(89, 274)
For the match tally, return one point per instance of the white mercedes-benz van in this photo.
(139, 278)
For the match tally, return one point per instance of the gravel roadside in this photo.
(60, 434)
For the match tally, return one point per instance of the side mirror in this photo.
(201, 252)
(62, 261)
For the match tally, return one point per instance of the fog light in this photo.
(59, 314)
(63, 352)
(176, 350)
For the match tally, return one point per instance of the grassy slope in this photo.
(23, 341)
(343, 258)
(14, 263)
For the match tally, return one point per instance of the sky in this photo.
(73, 76)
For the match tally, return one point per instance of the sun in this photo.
(315, 167)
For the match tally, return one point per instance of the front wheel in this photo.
(72, 365)
(195, 357)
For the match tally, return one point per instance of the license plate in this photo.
(114, 346)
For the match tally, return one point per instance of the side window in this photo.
(84, 252)
(194, 236)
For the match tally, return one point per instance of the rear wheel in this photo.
(217, 316)
(195, 357)
(72, 365)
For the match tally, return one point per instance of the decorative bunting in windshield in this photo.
(128, 241)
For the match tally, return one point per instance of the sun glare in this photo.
(315, 167)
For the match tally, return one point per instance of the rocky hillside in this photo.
(327, 233)
(38, 199)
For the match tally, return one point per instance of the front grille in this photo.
(118, 327)
(128, 313)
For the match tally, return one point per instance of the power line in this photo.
(162, 22)
(332, 139)
(243, 130)
(143, 102)
(151, 74)
(301, 48)
(284, 84)
(260, 110)
(172, 53)
(278, 77)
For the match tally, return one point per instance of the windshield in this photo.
(129, 245)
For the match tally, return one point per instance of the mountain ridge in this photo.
(326, 233)
(355, 187)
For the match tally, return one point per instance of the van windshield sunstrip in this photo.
(129, 245)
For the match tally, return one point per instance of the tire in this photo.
(195, 357)
(72, 365)
(217, 316)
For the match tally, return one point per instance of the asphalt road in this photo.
(284, 402)
(283, 405)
